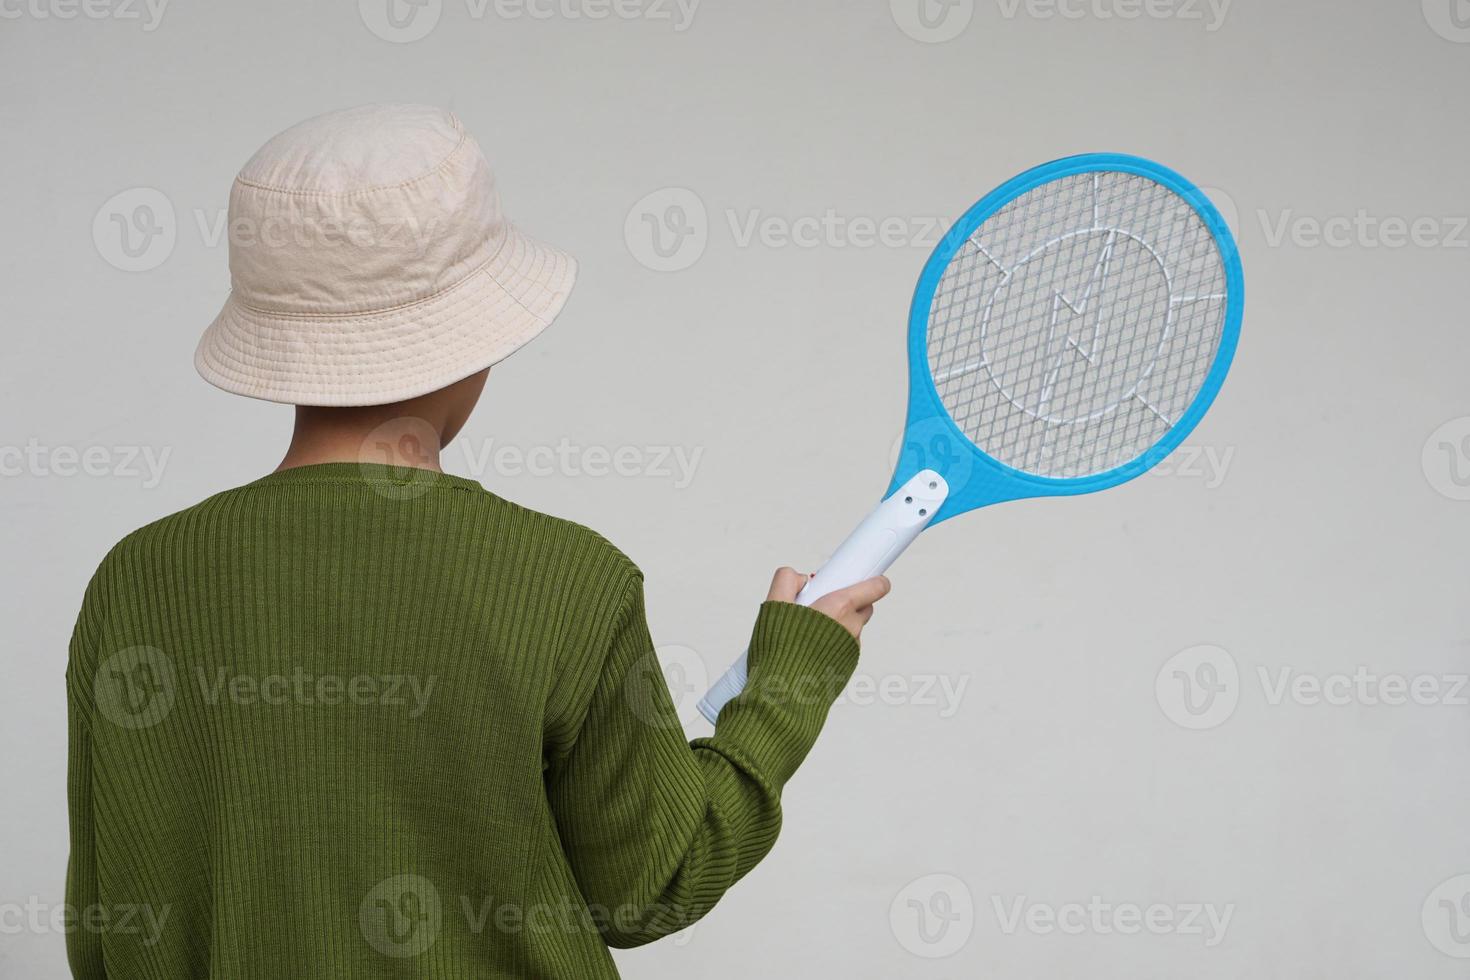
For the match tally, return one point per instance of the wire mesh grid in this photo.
(1077, 324)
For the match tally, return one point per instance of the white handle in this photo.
(869, 550)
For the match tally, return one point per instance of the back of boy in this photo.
(363, 718)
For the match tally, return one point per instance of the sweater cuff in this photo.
(803, 649)
(799, 661)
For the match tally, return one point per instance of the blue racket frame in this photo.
(932, 440)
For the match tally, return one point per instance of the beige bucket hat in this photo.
(370, 262)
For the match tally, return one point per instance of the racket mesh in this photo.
(1076, 325)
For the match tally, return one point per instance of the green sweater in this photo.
(352, 721)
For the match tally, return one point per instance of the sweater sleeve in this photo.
(656, 829)
(83, 942)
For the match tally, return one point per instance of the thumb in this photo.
(785, 585)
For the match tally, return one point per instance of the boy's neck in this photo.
(408, 433)
(374, 434)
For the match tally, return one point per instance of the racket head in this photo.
(934, 439)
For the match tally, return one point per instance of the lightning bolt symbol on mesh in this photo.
(1078, 306)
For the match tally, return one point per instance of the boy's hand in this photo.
(852, 606)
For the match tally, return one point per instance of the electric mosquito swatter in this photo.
(1065, 336)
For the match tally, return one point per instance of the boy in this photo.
(362, 718)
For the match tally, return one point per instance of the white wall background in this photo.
(1314, 530)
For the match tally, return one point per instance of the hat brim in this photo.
(383, 357)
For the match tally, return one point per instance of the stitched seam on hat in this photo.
(380, 313)
(513, 297)
(229, 362)
(303, 192)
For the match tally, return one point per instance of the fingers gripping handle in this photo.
(868, 551)
(880, 538)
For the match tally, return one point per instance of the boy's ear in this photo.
(460, 401)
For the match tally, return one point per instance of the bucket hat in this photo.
(370, 262)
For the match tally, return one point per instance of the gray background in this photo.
(1315, 525)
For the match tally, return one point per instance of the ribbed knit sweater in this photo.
(354, 721)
